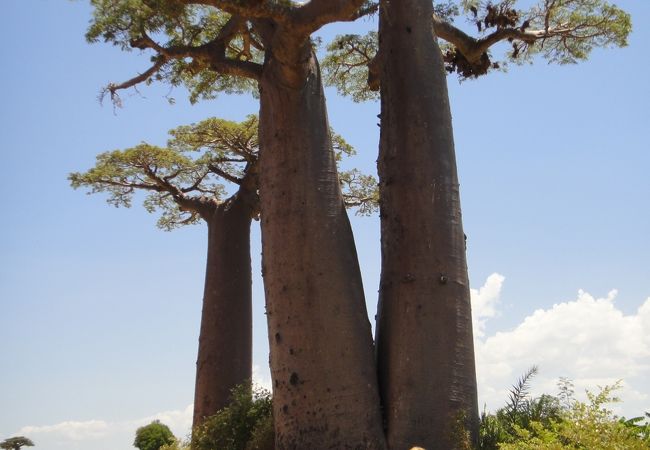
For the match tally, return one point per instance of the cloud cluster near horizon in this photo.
(72, 435)
(586, 339)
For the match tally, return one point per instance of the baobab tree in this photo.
(188, 187)
(221, 45)
(188, 182)
(322, 360)
(424, 335)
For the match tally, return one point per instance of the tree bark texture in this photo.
(424, 331)
(322, 364)
(225, 340)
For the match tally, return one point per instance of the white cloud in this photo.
(179, 421)
(70, 430)
(588, 340)
(262, 377)
(102, 435)
(485, 301)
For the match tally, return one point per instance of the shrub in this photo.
(153, 436)
(263, 435)
(560, 422)
(176, 445)
(245, 424)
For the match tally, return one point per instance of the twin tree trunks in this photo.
(332, 387)
(323, 371)
(327, 381)
(424, 331)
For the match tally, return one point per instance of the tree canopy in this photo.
(214, 46)
(15, 443)
(190, 171)
(200, 164)
(210, 46)
(491, 35)
(153, 436)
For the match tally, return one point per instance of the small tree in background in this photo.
(15, 443)
(153, 436)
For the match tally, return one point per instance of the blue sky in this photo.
(100, 310)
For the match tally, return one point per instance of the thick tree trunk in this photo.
(322, 365)
(225, 340)
(424, 331)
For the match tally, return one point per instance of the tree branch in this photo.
(211, 55)
(196, 184)
(126, 185)
(316, 13)
(461, 40)
(185, 202)
(528, 36)
(251, 9)
(112, 88)
(473, 49)
(222, 173)
(352, 200)
(231, 160)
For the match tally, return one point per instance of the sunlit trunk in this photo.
(424, 330)
(225, 340)
(322, 364)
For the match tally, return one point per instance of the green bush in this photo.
(153, 436)
(245, 424)
(560, 422)
(176, 445)
(263, 435)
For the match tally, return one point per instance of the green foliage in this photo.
(263, 435)
(346, 65)
(460, 434)
(245, 424)
(173, 25)
(162, 172)
(560, 31)
(198, 158)
(519, 412)
(640, 426)
(447, 11)
(467, 5)
(219, 137)
(561, 422)
(518, 398)
(588, 425)
(341, 146)
(360, 191)
(176, 445)
(575, 28)
(16, 442)
(153, 436)
(193, 168)
(206, 84)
